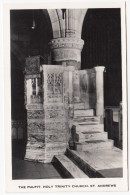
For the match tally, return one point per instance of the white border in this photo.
(11, 185)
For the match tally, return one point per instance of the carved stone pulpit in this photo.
(49, 97)
(51, 92)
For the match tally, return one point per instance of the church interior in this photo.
(66, 93)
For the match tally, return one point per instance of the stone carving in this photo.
(54, 98)
(54, 107)
(58, 83)
(66, 43)
(34, 107)
(35, 126)
(54, 114)
(35, 114)
(55, 126)
(60, 137)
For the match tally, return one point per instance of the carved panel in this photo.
(34, 106)
(54, 86)
(35, 114)
(34, 126)
(58, 83)
(55, 114)
(50, 83)
(55, 126)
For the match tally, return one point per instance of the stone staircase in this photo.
(90, 130)
(94, 152)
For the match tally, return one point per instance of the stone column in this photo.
(99, 90)
(29, 90)
(67, 51)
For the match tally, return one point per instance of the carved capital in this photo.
(67, 43)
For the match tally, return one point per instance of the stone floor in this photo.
(22, 169)
(106, 163)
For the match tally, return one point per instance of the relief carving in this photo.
(54, 114)
(66, 43)
(34, 126)
(35, 114)
(55, 126)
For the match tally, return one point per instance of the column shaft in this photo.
(99, 91)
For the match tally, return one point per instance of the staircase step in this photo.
(68, 168)
(78, 106)
(89, 112)
(85, 136)
(89, 128)
(94, 145)
(87, 119)
(95, 165)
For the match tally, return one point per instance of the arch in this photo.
(74, 22)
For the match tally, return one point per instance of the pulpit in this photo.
(51, 92)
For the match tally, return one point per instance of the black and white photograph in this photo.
(67, 95)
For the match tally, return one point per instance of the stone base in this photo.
(46, 153)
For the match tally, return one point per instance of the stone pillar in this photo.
(29, 90)
(67, 51)
(99, 90)
(76, 84)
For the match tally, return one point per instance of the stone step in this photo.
(89, 128)
(79, 105)
(87, 119)
(95, 165)
(67, 167)
(95, 135)
(94, 145)
(89, 112)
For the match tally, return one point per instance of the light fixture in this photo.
(33, 22)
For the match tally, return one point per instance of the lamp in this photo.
(33, 23)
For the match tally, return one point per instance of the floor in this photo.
(106, 162)
(22, 169)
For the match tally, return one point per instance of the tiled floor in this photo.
(30, 170)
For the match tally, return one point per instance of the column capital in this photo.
(99, 68)
(70, 43)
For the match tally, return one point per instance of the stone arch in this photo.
(69, 27)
